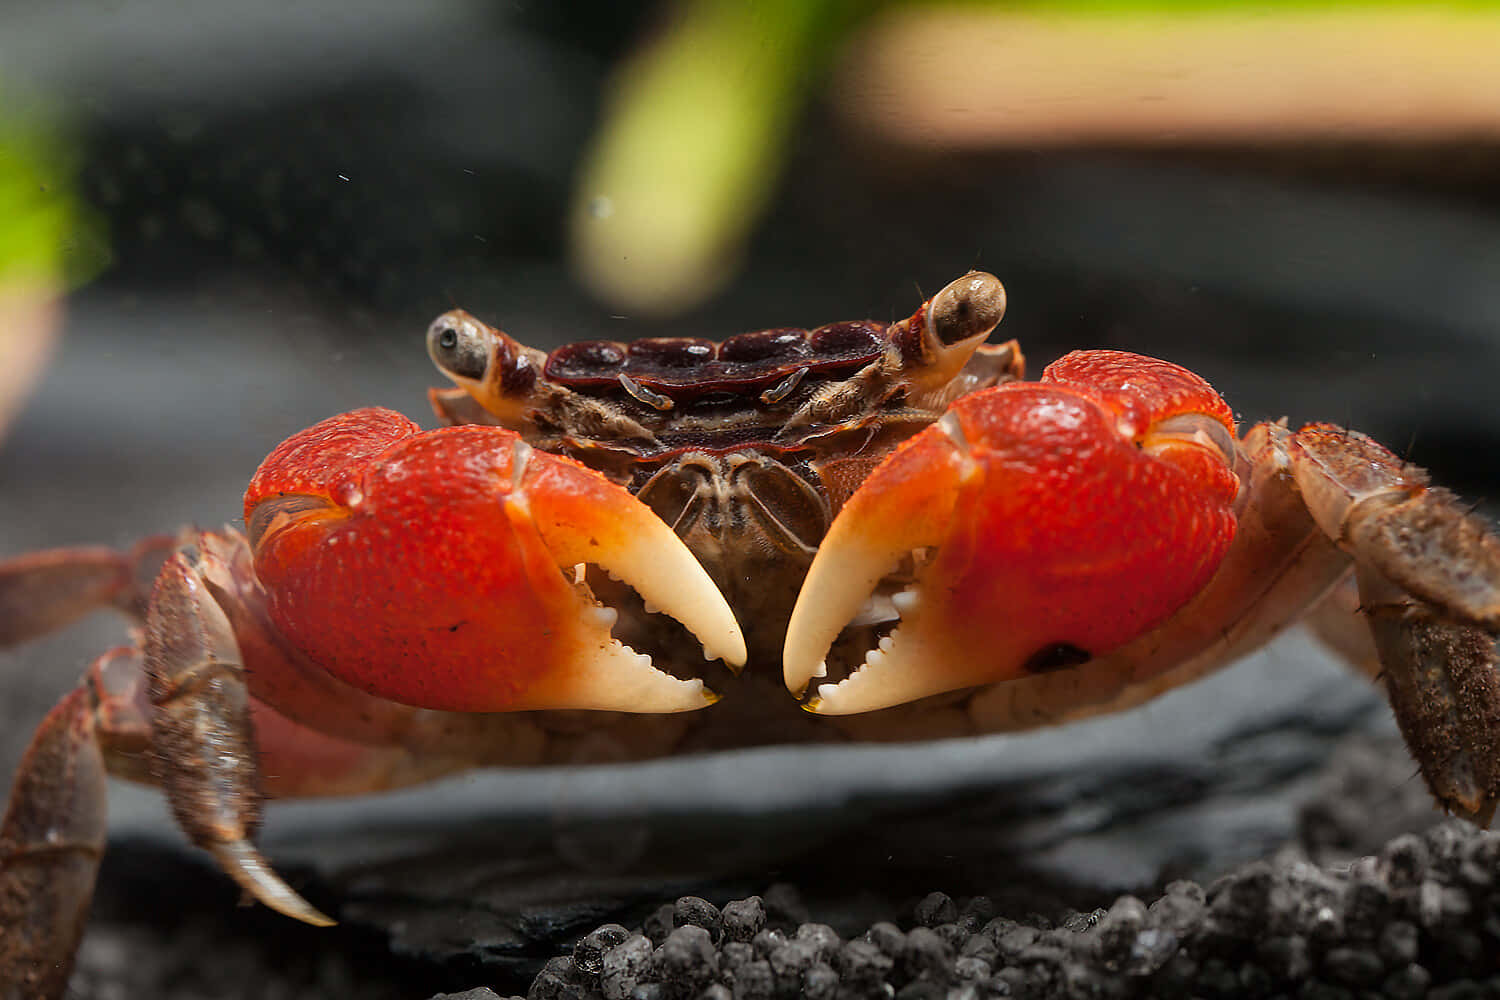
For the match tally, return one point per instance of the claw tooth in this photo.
(615, 677)
(822, 670)
(603, 616)
(906, 601)
(877, 610)
(908, 666)
(651, 608)
(625, 539)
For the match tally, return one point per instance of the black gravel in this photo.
(1420, 919)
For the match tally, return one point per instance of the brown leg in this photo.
(50, 845)
(1428, 573)
(202, 734)
(1338, 621)
(44, 591)
(1442, 680)
(54, 828)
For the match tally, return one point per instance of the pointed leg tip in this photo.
(243, 863)
(1482, 815)
(308, 914)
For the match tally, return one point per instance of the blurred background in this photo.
(222, 221)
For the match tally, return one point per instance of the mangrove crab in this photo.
(642, 530)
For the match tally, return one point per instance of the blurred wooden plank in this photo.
(985, 76)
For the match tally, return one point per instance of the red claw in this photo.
(1068, 517)
(434, 569)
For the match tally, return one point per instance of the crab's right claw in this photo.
(1052, 522)
(438, 569)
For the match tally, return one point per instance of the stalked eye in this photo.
(460, 345)
(970, 307)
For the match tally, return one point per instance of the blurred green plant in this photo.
(47, 236)
(692, 144)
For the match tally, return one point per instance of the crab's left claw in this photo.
(1047, 523)
(445, 570)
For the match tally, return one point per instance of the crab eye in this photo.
(460, 345)
(967, 308)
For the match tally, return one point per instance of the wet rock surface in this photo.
(1336, 911)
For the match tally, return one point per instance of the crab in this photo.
(863, 531)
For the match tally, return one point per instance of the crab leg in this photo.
(41, 592)
(1429, 584)
(202, 737)
(183, 727)
(51, 842)
(54, 829)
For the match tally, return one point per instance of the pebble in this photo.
(824, 940)
(936, 908)
(743, 918)
(686, 962)
(1398, 943)
(691, 911)
(588, 953)
(623, 967)
(1414, 921)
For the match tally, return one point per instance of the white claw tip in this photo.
(604, 617)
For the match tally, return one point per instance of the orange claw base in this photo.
(421, 576)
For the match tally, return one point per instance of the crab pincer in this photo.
(1009, 581)
(445, 570)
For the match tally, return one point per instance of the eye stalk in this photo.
(460, 346)
(938, 341)
(966, 309)
(494, 370)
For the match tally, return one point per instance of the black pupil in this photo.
(448, 339)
